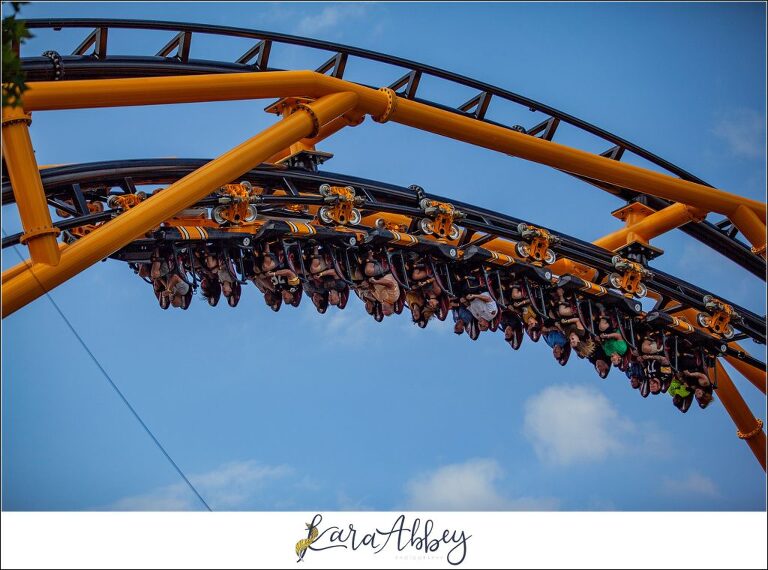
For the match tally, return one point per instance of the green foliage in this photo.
(14, 34)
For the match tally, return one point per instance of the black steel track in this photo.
(99, 64)
(100, 177)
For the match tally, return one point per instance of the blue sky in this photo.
(300, 411)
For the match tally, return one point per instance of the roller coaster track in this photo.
(290, 200)
(97, 177)
(98, 64)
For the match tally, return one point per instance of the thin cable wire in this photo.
(112, 383)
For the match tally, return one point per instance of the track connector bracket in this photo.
(235, 207)
(535, 244)
(718, 317)
(439, 219)
(340, 208)
(640, 252)
(629, 276)
(125, 202)
(309, 160)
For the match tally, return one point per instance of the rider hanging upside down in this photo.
(177, 290)
(512, 328)
(482, 307)
(684, 385)
(327, 283)
(566, 311)
(580, 342)
(426, 283)
(210, 288)
(522, 306)
(421, 311)
(264, 282)
(317, 295)
(693, 376)
(614, 346)
(383, 285)
(170, 288)
(556, 340)
(682, 396)
(601, 362)
(637, 378)
(464, 321)
(259, 277)
(145, 270)
(285, 284)
(364, 290)
(656, 366)
(227, 280)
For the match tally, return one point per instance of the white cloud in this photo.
(330, 17)
(574, 424)
(469, 486)
(349, 327)
(229, 487)
(347, 503)
(694, 485)
(743, 130)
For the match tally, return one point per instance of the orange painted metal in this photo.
(39, 233)
(651, 226)
(756, 376)
(737, 408)
(378, 103)
(752, 226)
(34, 282)
(19, 268)
(328, 130)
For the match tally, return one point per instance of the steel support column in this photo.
(39, 233)
(747, 426)
(751, 226)
(652, 226)
(348, 120)
(754, 375)
(19, 268)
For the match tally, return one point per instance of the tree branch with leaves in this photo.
(14, 34)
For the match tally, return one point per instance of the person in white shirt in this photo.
(483, 308)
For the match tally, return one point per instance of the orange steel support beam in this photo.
(39, 233)
(567, 266)
(748, 427)
(755, 375)
(652, 226)
(19, 268)
(383, 105)
(326, 131)
(752, 227)
(571, 160)
(32, 283)
(92, 93)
